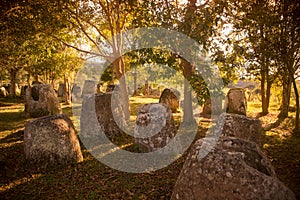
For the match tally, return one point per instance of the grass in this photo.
(11, 117)
(280, 145)
(91, 179)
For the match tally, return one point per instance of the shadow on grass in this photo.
(134, 108)
(12, 159)
(284, 153)
(274, 124)
(11, 120)
(14, 137)
(260, 114)
(8, 101)
(91, 180)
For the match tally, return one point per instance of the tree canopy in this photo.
(259, 39)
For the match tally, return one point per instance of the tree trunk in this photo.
(268, 95)
(67, 91)
(292, 80)
(112, 75)
(119, 66)
(297, 125)
(52, 83)
(266, 84)
(13, 78)
(27, 96)
(187, 104)
(286, 93)
(186, 67)
(263, 93)
(36, 78)
(135, 81)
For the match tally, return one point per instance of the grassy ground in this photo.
(280, 145)
(93, 180)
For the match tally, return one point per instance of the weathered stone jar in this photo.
(170, 97)
(103, 109)
(41, 100)
(236, 101)
(239, 126)
(233, 169)
(51, 141)
(155, 127)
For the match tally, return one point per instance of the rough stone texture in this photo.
(236, 101)
(89, 87)
(239, 126)
(76, 92)
(234, 169)
(3, 92)
(207, 107)
(41, 101)
(171, 98)
(155, 127)
(108, 116)
(61, 90)
(50, 141)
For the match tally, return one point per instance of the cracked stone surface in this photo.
(171, 98)
(239, 126)
(51, 140)
(234, 169)
(98, 114)
(155, 126)
(236, 101)
(89, 87)
(41, 101)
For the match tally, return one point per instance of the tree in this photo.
(13, 56)
(270, 30)
(97, 22)
(287, 47)
(26, 44)
(187, 67)
(197, 21)
(251, 39)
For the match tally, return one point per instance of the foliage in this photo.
(28, 44)
(262, 42)
(253, 39)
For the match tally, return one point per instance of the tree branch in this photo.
(78, 49)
